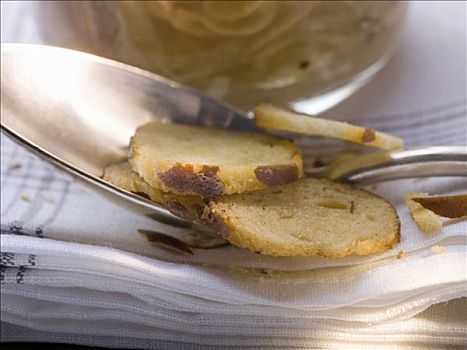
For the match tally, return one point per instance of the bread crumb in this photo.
(14, 166)
(401, 254)
(25, 197)
(426, 220)
(206, 213)
(438, 249)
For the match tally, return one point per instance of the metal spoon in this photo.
(78, 111)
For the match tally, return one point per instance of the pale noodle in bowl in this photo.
(241, 51)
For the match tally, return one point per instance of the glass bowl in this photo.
(243, 52)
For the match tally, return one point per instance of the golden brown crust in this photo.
(453, 206)
(276, 175)
(121, 175)
(182, 178)
(368, 135)
(398, 233)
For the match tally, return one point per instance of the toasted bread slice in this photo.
(272, 117)
(307, 217)
(122, 176)
(210, 162)
(426, 220)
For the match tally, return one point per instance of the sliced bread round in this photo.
(210, 162)
(307, 217)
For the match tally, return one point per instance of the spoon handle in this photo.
(423, 162)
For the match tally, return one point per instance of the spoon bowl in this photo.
(79, 111)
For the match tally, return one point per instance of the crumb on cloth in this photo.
(438, 249)
(24, 196)
(401, 254)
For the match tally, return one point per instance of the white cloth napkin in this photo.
(74, 269)
(442, 326)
